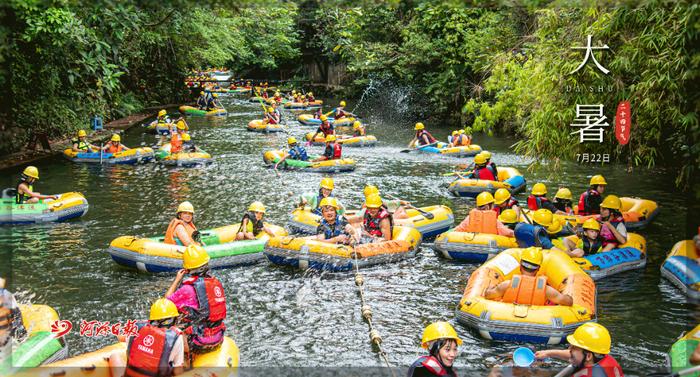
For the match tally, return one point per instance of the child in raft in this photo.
(333, 227)
(590, 242)
(252, 223)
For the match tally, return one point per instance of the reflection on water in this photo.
(283, 317)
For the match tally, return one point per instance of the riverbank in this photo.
(58, 145)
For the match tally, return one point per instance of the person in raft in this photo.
(340, 111)
(201, 300)
(481, 169)
(394, 207)
(590, 242)
(252, 223)
(271, 116)
(358, 129)
(613, 231)
(313, 200)
(181, 230)
(115, 145)
(333, 227)
(537, 233)
(377, 223)
(562, 201)
(214, 103)
(503, 200)
(187, 144)
(202, 100)
(333, 151)
(441, 341)
(25, 189)
(176, 138)
(80, 144)
(490, 164)
(589, 201)
(527, 288)
(326, 128)
(588, 352)
(538, 199)
(483, 219)
(509, 218)
(163, 117)
(423, 137)
(295, 152)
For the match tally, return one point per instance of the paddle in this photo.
(425, 214)
(677, 374)
(101, 150)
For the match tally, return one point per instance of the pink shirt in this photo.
(185, 296)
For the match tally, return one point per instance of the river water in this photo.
(285, 317)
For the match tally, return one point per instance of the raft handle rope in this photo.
(367, 315)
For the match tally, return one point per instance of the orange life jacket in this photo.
(175, 143)
(462, 140)
(113, 149)
(526, 290)
(482, 221)
(170, 237)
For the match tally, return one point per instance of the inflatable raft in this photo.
(222, 361)
(445, 150)
(309, 120)
(678, 357)
(130, 156)
(189, 110)
(523, 323)
(637, 212)
(629, 256)
(328, 166)
(40, 347)
(257, 125)
(186, 159)
(303, 105)
(303, 221)
(471, 247)
(69, 205)
(345, 140)
(509, 178)
(307, 253)
(152, 255)
(681, 268)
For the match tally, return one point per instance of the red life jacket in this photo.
(373, 224)
(484, 173)
(432, 365)
(535, 202)
(526, 290)
(339, 113)
(326, 128)
(582, 201)
(211, 299)
(148, 353)
(510, 203)
(420, 134)
(271, 119)
(607, 365)
(337, 150)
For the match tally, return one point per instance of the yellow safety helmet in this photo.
(598, 180)
(294, 92)
(611, 202)
(532, 255)
(277, 94)
(563, 193)
(508, 216)
(31, 171)
(592, 224)
(419, 126)
(327, 183)
(82, 133)
(323, 118)
(310, 94)
(501, 196)
(539, 189)
(370, 189)
(330, 201)
(543, 217)
(330, 138)
(484, 198)
(185, 207)
(215, 95)
(356, 125)
(291, 140)
(270, 109)
(194, 257)
(555, 227)
(592, 337)
(186, 137)
(201, 92)
(116, 137)
(373, 201)
(257, 207)
(162, 309)
(162, 113)
(455, 132)
(479, 159)
(342, 103)
(461, 132)
(486, 154)
(181, 125)
(439, 330)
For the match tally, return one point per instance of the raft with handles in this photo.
(309, 120)
(328, 166)
(182, 159)
(40, 347)
(682, 269)
(68, 206)
(508, 178)
(678, 357)
(189, 110)
(345, 140)
(445, 150)
(257, 125)
(222, 361)
(305, 222)
(471, 247)
(152, 255)
(631, 255)
(127, 157)
(528, 323)
(637, 212)
(303, 105)
(308, 253)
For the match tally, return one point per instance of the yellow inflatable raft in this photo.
(524, 323)
(96, 364)
(345, 140)
(471, 247)
(189, 110)
(305, 222)
(328, 166)
(509, 178)
(69, 205)
(306, 252)
(126, 157)
(303, 105)
(258, 125)
(629, 256)
(445, 150)
(199, 157)
(637, 212)
(681, 268)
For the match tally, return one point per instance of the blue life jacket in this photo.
(528, 235)
(329, 231)
(298, 153)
